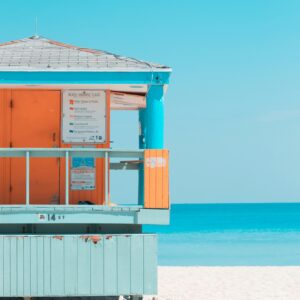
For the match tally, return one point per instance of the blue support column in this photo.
(155, 117)
(151, 131)
(142, 128)
(142, 145)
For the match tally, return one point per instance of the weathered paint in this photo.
(73, 265)
(156, 178)
(91, 238)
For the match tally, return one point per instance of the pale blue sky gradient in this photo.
(233, 106)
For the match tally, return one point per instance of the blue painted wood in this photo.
(122, 255)
(137, 265)
(149, 269)
(13, 276)
(57, 266)
(84, 266)
(110, 264)
(26, 261)
(142, 145)
(20, 264)
(142, 128)
(152, 78)
(97, 263)
(33, 266)
(155, 118)
(83, 215)
(6, 268)
(40, 266)
(73, 265)
(47, 265)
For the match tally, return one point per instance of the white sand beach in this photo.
(229, 283)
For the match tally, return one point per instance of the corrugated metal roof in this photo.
(41, 54)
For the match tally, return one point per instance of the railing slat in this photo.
(67, 177)
(68, 153)
(106, 179)
(27, 178)
(60, 152)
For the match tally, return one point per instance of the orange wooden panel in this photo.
(96, 196)
(159, 181)
(156, 179)
(3, 143)
(146, 180)
(5, 117)
(35, 123)
(152, 182)
(165, 176)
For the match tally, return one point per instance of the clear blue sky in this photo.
(233, 106)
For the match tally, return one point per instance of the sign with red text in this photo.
(84, 116)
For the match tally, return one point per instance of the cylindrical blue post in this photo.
(142, 145)
(151, 131)
(155, 117)
(142, 128)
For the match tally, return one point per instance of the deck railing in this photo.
(67, 154)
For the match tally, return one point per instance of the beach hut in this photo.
(60, 234)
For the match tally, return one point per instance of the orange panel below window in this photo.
(156, 178)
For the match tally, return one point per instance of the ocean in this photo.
(230, 235)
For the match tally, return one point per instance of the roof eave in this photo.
(154, 70)
(29, 77)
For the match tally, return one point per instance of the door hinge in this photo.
(10, 188)
(10, 145)
(11, 104)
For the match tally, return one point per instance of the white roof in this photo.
(41, 54)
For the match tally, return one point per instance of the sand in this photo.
(229, 283)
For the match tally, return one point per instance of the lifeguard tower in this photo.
(60, 236)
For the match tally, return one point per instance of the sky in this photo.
(233, 104)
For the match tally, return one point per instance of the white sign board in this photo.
(83, 173)
(83, 179)
(84, 116)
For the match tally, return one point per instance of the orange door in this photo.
(4, 143)
(35, 123)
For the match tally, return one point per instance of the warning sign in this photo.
(84, 116)
(83, 173)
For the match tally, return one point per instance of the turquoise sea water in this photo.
(230, 235)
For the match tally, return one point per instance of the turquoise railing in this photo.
(68, 153)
